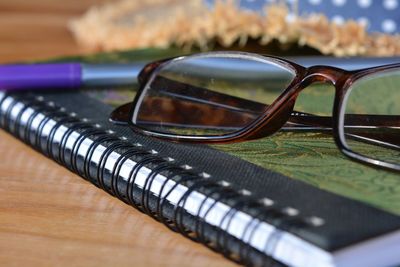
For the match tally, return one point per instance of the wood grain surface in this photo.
(50, 216)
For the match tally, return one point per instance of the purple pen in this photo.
(76, 75)
(67, 75)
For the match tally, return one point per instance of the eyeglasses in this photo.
(223, 97)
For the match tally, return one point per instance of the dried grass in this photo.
(186, 23)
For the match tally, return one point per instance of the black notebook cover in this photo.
(240, 208)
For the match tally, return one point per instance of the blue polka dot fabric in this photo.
(376, 15)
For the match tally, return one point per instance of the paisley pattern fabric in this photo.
(315, 159)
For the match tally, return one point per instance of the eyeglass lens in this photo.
(371, 122)
(210, 95)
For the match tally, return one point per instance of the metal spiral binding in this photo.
(149, 158)
(221, 237)
(145, 199)
(63, 120)
(223, 194)
(131, 151)
(39, 132)
(7, 114)
(7, 122)
(77, 144)
(178, 209)
(2, 116)
(34, 135)
(17, 121)
(167, 166)
(211, 189)
(183, 177)
(98, 139)
(250, 228)
(141, 204)
(64, 140)
(117, 143)
(174, 171)
(27, 130)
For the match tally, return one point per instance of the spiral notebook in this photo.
(215, 195)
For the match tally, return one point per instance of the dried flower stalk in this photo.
(186, 23)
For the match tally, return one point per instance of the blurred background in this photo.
(38, 29)
(46, 28)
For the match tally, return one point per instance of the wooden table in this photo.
(48, 215)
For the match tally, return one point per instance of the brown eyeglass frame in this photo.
(276, 115)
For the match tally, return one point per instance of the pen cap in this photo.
(117, 74)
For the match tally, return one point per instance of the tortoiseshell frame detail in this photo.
(277, 114)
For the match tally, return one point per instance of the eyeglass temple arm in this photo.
(361, 127)
(298, 121)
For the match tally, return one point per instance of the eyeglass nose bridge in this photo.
(323, 74)
(314, 74)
